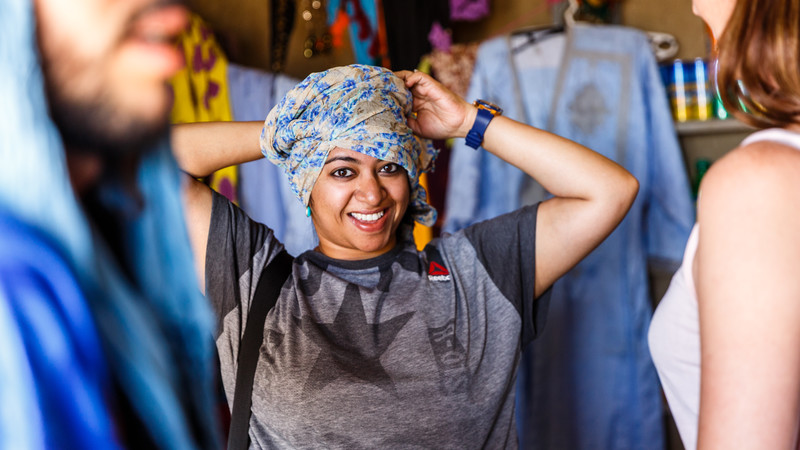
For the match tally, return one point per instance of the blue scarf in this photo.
(158, 336)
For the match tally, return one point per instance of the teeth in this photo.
(367, 217)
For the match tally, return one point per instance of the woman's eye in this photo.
(342, 173)
(390, 168)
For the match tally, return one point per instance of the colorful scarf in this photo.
(356, 107)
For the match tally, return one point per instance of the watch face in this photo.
(491, 107)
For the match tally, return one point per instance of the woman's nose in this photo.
(369, 190)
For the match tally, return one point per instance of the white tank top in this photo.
(674, 334)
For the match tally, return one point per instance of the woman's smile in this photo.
(357, 204)
(369, 222)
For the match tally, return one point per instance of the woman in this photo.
(372, 343)
(733, 308)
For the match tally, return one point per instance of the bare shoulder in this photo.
(760, 174)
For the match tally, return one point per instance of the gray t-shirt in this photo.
(407, 350)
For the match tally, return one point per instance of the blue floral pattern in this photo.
(357, 107)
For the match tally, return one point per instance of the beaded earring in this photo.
(308, 211)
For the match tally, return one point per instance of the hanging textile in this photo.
(453, 68)
(264, 190)
(468, 10)
(362, 16)
(201, 91)
(587, 382)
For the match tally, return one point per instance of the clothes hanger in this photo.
(538, 33)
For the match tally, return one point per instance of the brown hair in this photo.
(759, 62)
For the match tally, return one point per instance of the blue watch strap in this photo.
(475, 135)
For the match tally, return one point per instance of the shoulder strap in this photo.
(269, 288)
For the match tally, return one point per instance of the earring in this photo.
(308, 211)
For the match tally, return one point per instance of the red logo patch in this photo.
(437, 269)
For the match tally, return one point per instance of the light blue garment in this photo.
(264, 190)
(20, 420)
(157, 337)
(587, 382)
(61, 346)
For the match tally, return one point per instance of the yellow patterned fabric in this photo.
(201, 91)
(423, 234)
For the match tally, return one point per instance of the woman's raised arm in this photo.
(591, 193)
(201, 149)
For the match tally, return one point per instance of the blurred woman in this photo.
(726, 337)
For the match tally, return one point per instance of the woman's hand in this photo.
(440, 114)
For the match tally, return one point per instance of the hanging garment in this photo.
(454, 68)
(153, 322)
(468, 10)
(363, 24)
(264, 190)
(588, 381)
(201, 91)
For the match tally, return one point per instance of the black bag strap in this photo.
(269, 288)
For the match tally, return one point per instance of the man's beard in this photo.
(95, 127)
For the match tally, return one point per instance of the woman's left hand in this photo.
(440, 113)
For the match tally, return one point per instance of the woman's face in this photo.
(715, 13)
(357, 203)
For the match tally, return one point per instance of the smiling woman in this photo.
(372, 343)
(357, 204)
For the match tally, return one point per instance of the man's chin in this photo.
(109, 135)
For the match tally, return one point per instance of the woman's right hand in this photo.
(440, 113)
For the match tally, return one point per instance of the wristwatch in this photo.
(486, 112)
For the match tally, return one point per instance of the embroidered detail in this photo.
(588, 109)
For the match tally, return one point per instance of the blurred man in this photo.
(105, 343)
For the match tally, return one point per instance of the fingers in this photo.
(414, 125)
(412, 79)
(403, 74)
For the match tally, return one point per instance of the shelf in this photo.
(714, 126)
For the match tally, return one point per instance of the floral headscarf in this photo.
(357, 107)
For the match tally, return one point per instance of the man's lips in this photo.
(152, 36)
(160, 23)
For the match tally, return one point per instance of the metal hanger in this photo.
(538, 33)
